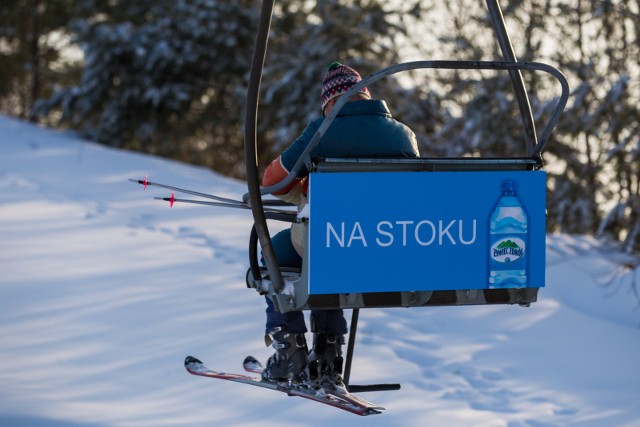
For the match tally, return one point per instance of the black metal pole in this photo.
(528, 124)
(250, 144)
(352, 342)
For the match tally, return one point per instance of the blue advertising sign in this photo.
(421, 231)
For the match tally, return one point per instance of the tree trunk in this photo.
(34, 56)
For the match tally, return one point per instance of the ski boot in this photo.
(289, 362)
(325, 361)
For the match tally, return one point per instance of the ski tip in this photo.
(251, 364)
(250, 359)
(190, 360)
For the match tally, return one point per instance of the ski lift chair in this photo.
(383, 249)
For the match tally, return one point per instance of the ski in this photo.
(196, 367)
(253, 365)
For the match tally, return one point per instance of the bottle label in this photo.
(508, 249)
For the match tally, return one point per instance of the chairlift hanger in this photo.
(272, 278)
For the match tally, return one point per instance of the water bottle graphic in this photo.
(508, 239)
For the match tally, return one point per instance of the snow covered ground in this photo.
(104, 291)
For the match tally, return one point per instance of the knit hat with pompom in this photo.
(338, 79)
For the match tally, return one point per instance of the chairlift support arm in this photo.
(251, 145)
(529, 128)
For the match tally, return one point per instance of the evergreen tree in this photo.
(158, 76)
(169, 77)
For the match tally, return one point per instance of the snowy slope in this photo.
(103, 291)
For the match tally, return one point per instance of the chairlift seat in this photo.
(366, 274)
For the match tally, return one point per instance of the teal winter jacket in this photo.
(363, 128)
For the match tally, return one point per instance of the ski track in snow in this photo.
(105, 290)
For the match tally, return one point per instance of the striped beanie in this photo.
(338, 79)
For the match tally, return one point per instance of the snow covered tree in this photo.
(169, 77)
(599, 134)
(156, 73)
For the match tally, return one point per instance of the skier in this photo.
(363, 128)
